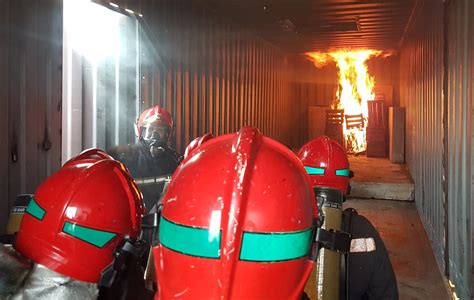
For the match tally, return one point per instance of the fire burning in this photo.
(354, 90)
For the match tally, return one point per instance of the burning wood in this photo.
(354, 90)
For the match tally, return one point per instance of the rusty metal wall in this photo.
(213, 77)
(436, 89)
(30, 96)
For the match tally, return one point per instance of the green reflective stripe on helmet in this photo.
(343, 172)
(92, 236)
(314, 171)
(35, 210)
(189, 240)
(270, 247)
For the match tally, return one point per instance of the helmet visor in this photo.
(155, 134)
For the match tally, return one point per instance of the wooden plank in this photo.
(386, 91)
(376, 142)
(396, 125)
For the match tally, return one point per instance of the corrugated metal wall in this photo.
(421, 87)
(213, 77)
(438, 124)
(313, 86)
(460, 77)
(30, 96)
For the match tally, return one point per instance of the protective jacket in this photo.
(150, 167)
(370, 272)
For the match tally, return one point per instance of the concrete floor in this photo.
(373, 169)
(400, 227)
(378, 178)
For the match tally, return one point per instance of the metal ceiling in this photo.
(302, 25)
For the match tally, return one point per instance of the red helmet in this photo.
(196, 143)
(325, 160)
(154, 125)
(79, 215)
(237, 222)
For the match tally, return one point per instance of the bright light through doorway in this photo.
(94, 29)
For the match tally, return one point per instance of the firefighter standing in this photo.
(152, 160)
(369, 271)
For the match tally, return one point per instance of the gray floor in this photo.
(410, 252)
(373, 169)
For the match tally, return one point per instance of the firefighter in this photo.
(76, 223)
(152, 160)
(367, 271)
(237, 222)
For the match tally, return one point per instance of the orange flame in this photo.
(354, 90)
